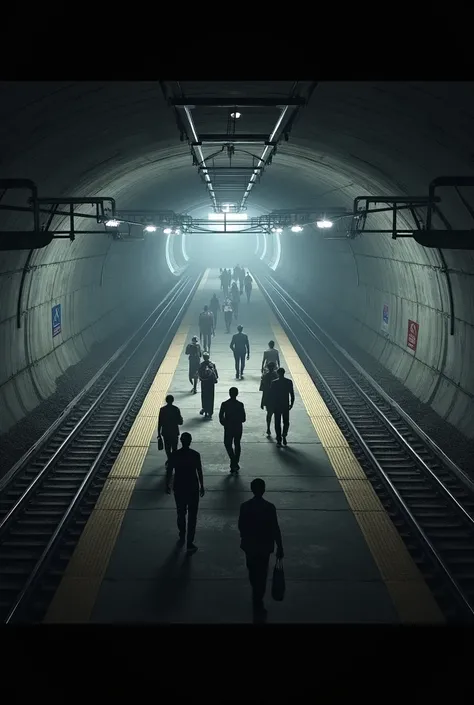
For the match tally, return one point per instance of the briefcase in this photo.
(160, 443)
(278, 582)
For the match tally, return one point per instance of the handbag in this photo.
(160, 443)
(278, 582)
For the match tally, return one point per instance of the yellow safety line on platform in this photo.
(411, 596)
(76, 595)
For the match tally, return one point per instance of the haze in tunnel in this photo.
(353, 139)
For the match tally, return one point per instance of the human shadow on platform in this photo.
(172, 582)
(293, 457)
(232, 484)
(195, 421)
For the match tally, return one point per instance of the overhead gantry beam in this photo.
(238, 102)
(231, 140)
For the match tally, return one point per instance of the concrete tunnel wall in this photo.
(120, 140)
(349, 282)
(99, 283)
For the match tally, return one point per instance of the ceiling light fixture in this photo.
(324, 223)
(235, 115)
(296, 229)
(150, 229)
(167, 231)
(112, 223)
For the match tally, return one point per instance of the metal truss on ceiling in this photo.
(249, 132)
(434, 221)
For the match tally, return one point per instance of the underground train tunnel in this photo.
(350, 204)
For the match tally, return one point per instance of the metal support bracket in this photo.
(42, 233)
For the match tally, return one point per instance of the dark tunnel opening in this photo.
(326, 191)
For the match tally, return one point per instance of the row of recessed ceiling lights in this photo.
(177, 231)
(299, 229)
(148, 228)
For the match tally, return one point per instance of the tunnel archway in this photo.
(107, 139)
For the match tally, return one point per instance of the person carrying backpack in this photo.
(208, 376)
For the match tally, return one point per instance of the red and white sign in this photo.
(412, 337)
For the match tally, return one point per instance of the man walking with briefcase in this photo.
(169, 421)
(259, 531)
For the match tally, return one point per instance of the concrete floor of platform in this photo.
(330, 573)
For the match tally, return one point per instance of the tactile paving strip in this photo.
(329, 432)
(96, 544)
(142, 431)
(415, 603)
(151, 405)
(312, 400)
(394, 561)
(161, 383)
(361, 496)
(129, 462)
(345, 464)
(116, 494)
(76, 595)
(409, 593)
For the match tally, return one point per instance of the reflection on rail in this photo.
(433, 497)
(46, 499)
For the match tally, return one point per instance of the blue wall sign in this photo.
(56, 319)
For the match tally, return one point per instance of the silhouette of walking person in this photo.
(270, 355)
(259, 531)
(235, 296)
(208, 375)
(193, 350)
(240, 346)
(214, 307)
(206, 328)
(228, 312)
(267, 379)
(282, 398)
(169, 420)
(232, 416)
(188, 486)
(248, 286)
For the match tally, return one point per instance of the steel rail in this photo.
(57, 535)
(10, 515)
(382, 417)
(396, 407)
(464, 601)
(41, 442)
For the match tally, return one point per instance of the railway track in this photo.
(48, 495)
(429, 498)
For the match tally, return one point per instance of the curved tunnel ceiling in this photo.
(121, 140)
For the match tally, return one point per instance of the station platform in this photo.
(344, 560)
